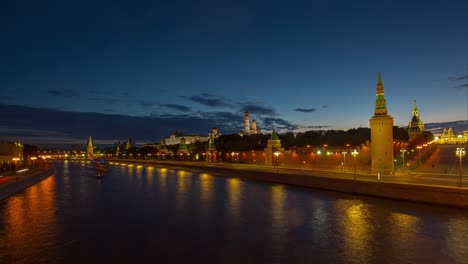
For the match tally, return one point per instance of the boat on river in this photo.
(101, 166)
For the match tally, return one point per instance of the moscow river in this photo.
(145, 214)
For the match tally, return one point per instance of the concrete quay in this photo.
(10, 185)
(364, 184)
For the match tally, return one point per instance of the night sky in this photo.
(114, 69)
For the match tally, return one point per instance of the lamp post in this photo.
(460, 153)
(32, 161)
(277, 153)
(344, 161)
(232, 157)
(354, 153)
(403, 156)
(419, 153)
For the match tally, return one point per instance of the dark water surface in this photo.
(145, 214)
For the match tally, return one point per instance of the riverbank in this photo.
(430, 194)
(10, 185)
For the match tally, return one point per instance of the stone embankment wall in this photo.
(439, 195)
(23, 183)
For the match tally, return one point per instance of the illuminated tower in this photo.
(273, 145)
(90, 148)
(247, 123)
(254, 127)
(416, 126)
(381, 125)
(211, 150)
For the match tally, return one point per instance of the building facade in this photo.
(11, 151)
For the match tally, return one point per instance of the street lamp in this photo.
(354, 153)
(460, 153)
(232, 157)
(277, 153)
(344, 161)
(403, 156)
(419, 153)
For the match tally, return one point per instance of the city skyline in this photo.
(190, 67)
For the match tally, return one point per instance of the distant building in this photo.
(183, 148)
(416, 126)
(189, 139)
(449, 137)
(249, 130)
(381, 125)
(11, 151)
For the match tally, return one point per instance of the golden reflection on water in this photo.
(357, 230)
(456, 244)
(206, 187)
(162, 180)
(278, 199)
(206, 195)
(30, 222)
(183, 181)
(149, 177)
(234, 188)
(404, 229)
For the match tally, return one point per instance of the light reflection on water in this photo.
(169, 215)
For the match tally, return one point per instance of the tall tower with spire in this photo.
(381, 125)
(247, 123)
(416, 126)
(90, 148)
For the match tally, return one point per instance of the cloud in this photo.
(70, 94)
(324, 106)
(305, 110)
(208, 100)
(66, 93)
(37, 123)
(278, 123)
(147, 103)
(177, 107)
(258, 109)
(464, 85)
(316, 127)
(458, 78)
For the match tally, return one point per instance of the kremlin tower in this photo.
(273, 145)
(416, 126)
(381, 125)
(90, 148)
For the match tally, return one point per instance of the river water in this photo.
(147, 214)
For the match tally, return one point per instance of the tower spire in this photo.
(379, 81)
(380, 102)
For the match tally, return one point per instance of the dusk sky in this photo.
(148, 68)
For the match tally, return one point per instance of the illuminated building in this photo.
(11, 151)
(381, 125)
(247, 123)
(416, 126)
(90, 148)
(449, 137)
(249, 130)
(183, 148)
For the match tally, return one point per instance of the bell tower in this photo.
(381, 125)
